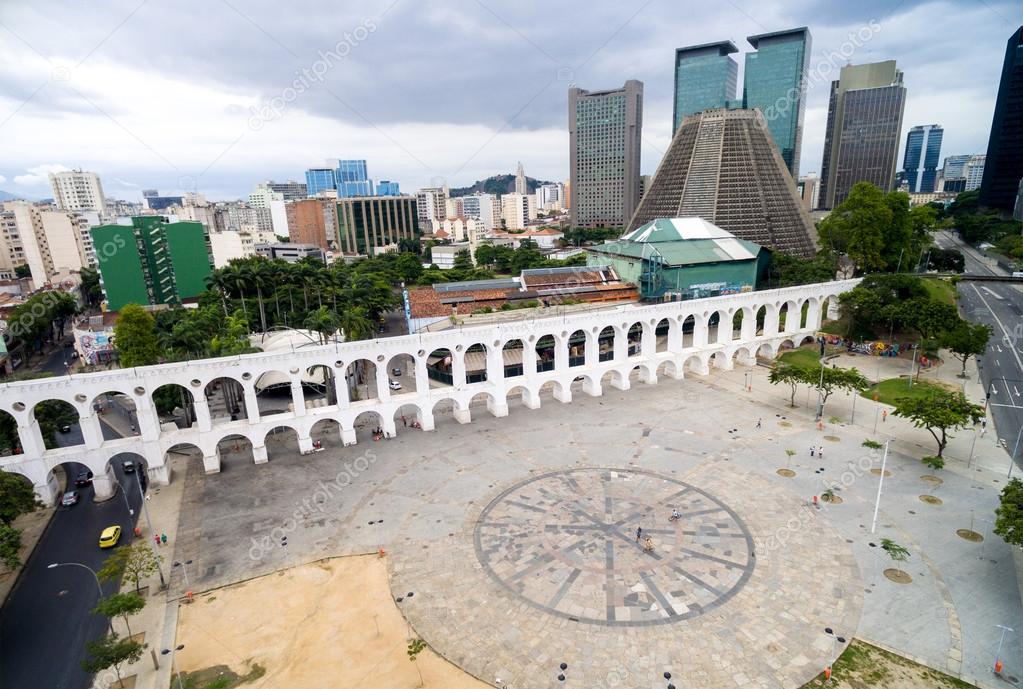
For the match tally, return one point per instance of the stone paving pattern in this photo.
(769, 634)
(419, 495)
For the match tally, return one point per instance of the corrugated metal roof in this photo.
(684, 252)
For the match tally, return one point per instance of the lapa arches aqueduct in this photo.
(222, 407)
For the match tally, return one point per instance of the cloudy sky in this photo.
(217, 95)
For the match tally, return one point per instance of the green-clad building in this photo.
(683, 258)
(152, 261)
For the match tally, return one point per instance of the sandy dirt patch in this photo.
(330, 623)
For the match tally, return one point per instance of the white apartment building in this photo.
(229, 245)
(279, 218)
(486, 207)
(550, 197)
(431, 204)
(263, 196)
(974, 172)
(76, 190)
(517, 210)
(241, 217)
(51, 241)
(12, 254)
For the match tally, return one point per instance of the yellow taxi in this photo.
(109, 537)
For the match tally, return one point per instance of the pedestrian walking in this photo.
(759, 422)
(404, 421)
(639, 533)
(811, 450)
(163, 538)
(157, 539)
(884, 415)
(820, 452)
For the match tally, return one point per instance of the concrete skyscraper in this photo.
(705, 78)
(923, 151)
(520, 180)
(605, 130)
(1003, 167)
(722, 166)
(864, 128)
(774, 81)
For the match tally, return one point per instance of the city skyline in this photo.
(226, 131)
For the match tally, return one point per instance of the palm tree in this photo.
(259, 276)
(355, 323)
(322, 321)
(218, 281)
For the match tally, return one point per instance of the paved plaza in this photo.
(516, 537)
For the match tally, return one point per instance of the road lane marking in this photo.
(998, 320)
(993, 294)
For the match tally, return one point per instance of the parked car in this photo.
(83, 478)
(69, 498)
(394, 385)
(65, 428)
(128, 466)
(109, 537)
(396, 372)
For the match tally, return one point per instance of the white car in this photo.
(394, 385)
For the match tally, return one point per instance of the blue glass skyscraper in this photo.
(352, 179)
(386, 188)
(705, 78)
(774, 81)
(319, 179)
(923, 150)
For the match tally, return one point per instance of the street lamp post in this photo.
(184, 569)
(880, 485)
(174, 671)
(99, 588)
(998, 653)
(1012, 458)
(149, 523)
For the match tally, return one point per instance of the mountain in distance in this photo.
(495, 184)
(8, 196)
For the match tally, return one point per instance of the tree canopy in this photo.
(966, 340)
(1009, 513)
(135, 337)
(939, 412)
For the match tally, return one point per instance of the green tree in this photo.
(1009, 513)
(895, 551)
(415, 647)
(966, 340)
(788, 374)
(10, 544)
(322, 321)
(135, 337)
(111, 652)
(134, 563)
(233, 338)
(463, 261)
(121, 604)
(857, 226)
(92, 292)
(834, 379)
(16, 497)
(355, 324)
(939, 411)
(409, 267)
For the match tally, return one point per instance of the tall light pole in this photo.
(99, 588)
(1012, 458)
(998, 653)
(184, 569)
(171, 652)
(149, 524)
(880, 485)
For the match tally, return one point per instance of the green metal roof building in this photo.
(683, 258)
(152, 261)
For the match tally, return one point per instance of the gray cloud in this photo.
(471, 65)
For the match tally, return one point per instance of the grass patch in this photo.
(863, 665)
(940, 290)
(220, 677)
(804, 356)
(893, 388)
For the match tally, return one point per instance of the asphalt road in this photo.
(47, 618)
(1000, 305)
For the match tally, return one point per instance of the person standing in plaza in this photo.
(639, 533)
(811, 450)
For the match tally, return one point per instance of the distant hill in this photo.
(7, 196)
(496, 184)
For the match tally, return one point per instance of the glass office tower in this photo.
(774, 81)
(920, 164)
(352, 179)
(705, 78)
(319, 179)
(1003, 168)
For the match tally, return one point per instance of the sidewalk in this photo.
(158, 620)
